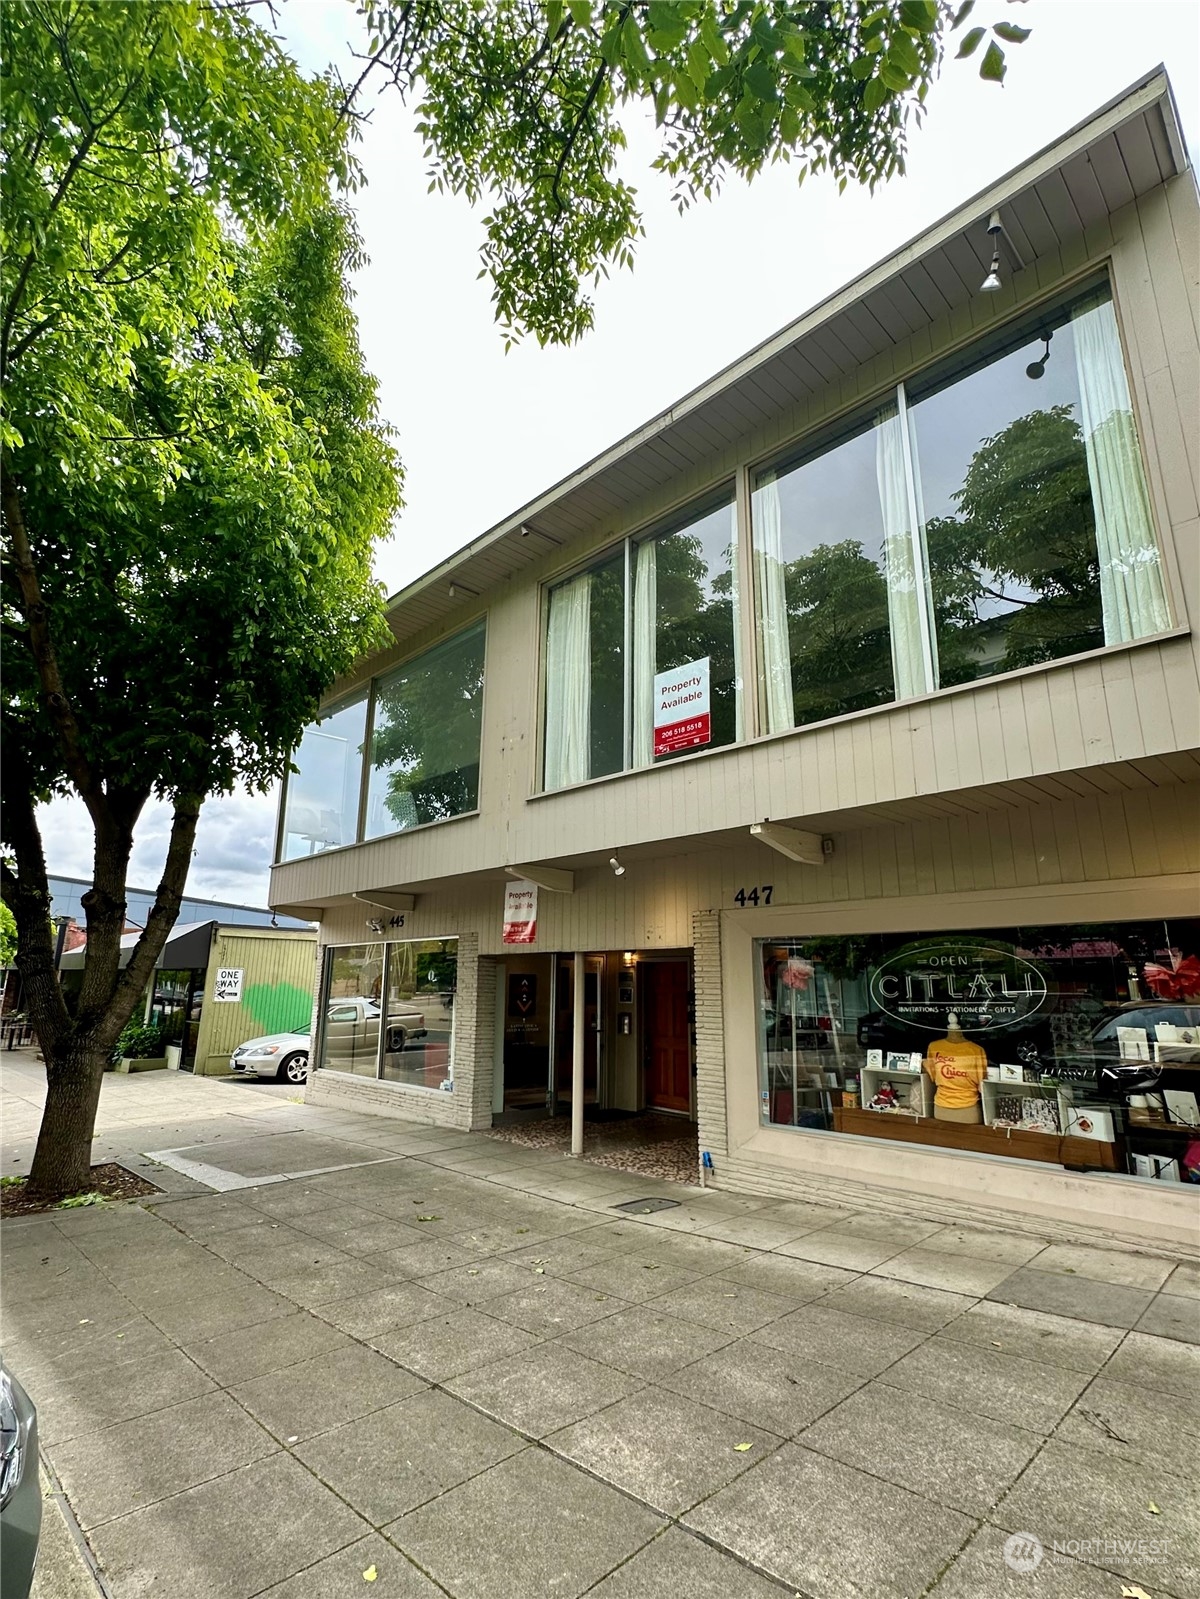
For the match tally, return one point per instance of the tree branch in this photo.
(167, 900)
(26, 892)
(41, 644)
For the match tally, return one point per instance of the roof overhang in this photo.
(1128, 147)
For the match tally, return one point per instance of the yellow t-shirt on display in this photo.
(956, 1067)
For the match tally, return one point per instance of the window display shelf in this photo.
(984, 1140)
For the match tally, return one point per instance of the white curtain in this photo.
(770, 596)
(645, 650)
(906, 624)
(739, 715)
(1132, 592)
(568, 683)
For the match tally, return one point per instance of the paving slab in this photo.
(544, 1388)
(907, 1304)
(395, 1459)
(1097, 1508)
(781, 1393)
(1172, 1316)
(678, 1564)
(209, 1316)
(83, 1399)
(319, 1393)
(447, 1345)
(548, 1305)
(724, 1305)
(207, 1543)
(632, 1279)
(984, 1243)
(1084, 1298)
(1009, 1388)
(663, 1448)
(395, 1305)
(646, 1341)
(798, 1280)
(1106, 1265)
(947, 1454)
(980, 1571)
(931, 1268)
(1159, 1363)
(134, 1463)
(255, 1351)
(851, 1343)
(1184, 1280)
(573, 1531)
(1134, 1421)
(831, 1531)
(831, 1248)
(1052, 1340)
(395, 1576)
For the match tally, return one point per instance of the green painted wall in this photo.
(279, 975)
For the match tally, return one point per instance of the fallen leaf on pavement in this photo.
(370, 1574)
(1153, 1509)
(742, 1448)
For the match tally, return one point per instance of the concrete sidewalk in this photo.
(454, 1363)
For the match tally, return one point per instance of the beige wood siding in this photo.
(1045, 732)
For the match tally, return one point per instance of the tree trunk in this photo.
(62, 1161)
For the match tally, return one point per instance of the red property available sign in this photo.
(682, 718)
(520, 912)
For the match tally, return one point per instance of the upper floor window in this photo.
(425, 737)
(642, 656)
(991, 515)
(322, 795)
(405, 753)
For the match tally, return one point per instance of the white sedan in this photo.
(282, 1056)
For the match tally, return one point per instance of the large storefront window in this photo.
(991, 514)
(1079, 1046)
(642, 652)
(321, 805)
(425, 734)
(389, 1011)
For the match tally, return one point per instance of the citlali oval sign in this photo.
(987, 986)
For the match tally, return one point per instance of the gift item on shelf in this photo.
(1011, 1073)
(1033, 1113)
(1182, 1107)
(1190, 1161)
(885, 1097)
(1085, 1121)
(1147, 1110)
(956, 1067)
(1041, 1115)
(850, 1094)
(1163, 1168)
(875, 1058)
(903, 1061)
(1133, 1043)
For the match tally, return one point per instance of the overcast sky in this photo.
(482, 432)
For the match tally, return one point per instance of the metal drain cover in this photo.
(647, 1207)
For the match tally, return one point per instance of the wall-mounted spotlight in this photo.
(374, 925)
(456, 589)
(618, 869)
(995, 228)
(1037, 369)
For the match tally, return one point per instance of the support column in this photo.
(580, 986)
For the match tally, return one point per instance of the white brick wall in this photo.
(710, 1038)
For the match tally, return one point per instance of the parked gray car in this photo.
(283, 1056)
(20, 1490)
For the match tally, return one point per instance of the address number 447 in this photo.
(754, 896)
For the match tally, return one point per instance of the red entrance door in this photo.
(667, 1034)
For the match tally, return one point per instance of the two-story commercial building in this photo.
(821, 762)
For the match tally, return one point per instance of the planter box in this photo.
(152, 1063)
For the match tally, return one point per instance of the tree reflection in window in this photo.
(426, 735)
(1014, 572)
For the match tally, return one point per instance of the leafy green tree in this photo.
(8, 936)
(521, 102)
(194, 470)
(193, 466)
